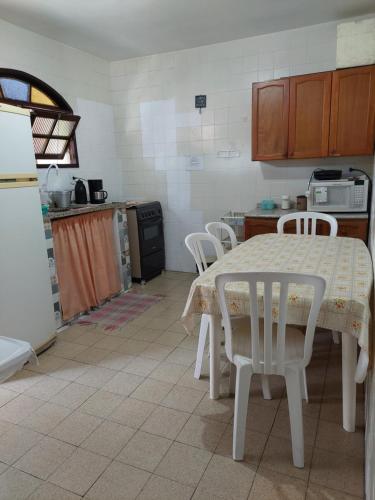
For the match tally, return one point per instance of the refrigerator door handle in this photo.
(10, 181)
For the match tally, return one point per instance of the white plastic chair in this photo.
(313, 217)
(195, 243)
(216, 229)
(306, 217)
(261, 346)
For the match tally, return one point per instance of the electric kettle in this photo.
(80, 193)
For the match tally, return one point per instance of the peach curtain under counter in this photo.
(86, 261)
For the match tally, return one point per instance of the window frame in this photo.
(56, 116)
(62, 108)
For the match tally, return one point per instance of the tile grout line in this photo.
(268, 437)
(320, 410)
(190, 413)
(70, 382)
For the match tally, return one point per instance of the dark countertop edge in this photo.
(278, 212)
(51, 216)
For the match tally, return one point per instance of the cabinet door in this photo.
(309, 111)
(352, 112)
(259, 225)
(353, 228)
(270, 120)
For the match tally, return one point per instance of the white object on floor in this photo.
(13, 355)
(307, 217)
(194, 242)
(217, 229)
(261, 346)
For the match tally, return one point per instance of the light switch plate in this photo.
(228, 154)
(194, 163)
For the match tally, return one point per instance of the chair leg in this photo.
(243, 380)
(232, 379)
(336, 336)
(303, 383)
(293, 387)
(266, 387)
(201, 345)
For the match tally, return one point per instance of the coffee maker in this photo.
(97, 193)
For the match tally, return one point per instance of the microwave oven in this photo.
(344, 195)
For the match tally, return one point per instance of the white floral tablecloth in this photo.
(344, 263)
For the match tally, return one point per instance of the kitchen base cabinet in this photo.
(352, 228)
(120, 235)
(86, 261)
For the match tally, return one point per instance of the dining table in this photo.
(346, 266)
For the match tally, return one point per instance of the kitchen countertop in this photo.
(85, 209)
(278, 212)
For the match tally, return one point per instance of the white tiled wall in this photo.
(84, 81)
(158, 130)
(356, 43)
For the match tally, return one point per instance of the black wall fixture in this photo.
(200, 102)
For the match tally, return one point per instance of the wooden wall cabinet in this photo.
(353, 112)
(270, 120)
(352, 228)
(309, 112)
(315, 116)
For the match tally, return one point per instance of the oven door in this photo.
(151, 236)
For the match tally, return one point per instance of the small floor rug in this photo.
(120, 310)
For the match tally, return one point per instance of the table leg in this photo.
(349, 364)
(215, 329)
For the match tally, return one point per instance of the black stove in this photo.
(146, 240)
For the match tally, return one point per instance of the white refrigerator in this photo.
(26, 306)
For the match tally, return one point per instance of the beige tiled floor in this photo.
(119, 416)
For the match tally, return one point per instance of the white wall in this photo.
(83, 80)
(158, 129)
(356, 43)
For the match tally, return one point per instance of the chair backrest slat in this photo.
(298, 226)
(270, 362)
(313, 226)
(194, 243)
(216, 229)
(306, 217)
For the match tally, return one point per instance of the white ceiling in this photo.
(119, 29)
